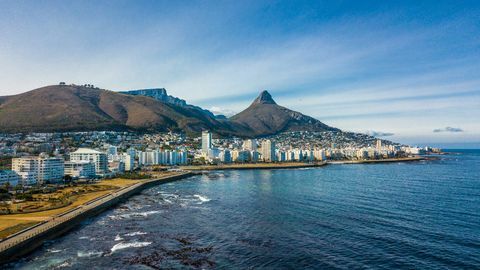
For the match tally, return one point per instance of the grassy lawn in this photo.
(16, 227)
(15, 222)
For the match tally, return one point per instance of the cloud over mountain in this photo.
(374, 133)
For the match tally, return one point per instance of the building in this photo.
(379, 144)
(319, 154)
(161, 157)
(250, 145)
(9, 176)
(99, 159)
(268, 151)
(116, 167)
(41, 169)
(80, 169)
(240, 156)
(129, 162)
(225, 156)
(206, 141)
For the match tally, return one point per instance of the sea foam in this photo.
(202, 198)
(129, 245)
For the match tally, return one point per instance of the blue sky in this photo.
(402, 68)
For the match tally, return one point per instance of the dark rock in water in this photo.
(187, 254)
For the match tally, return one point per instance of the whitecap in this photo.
(118, 238)
(82, 254)
(167, 201)
(135, 233)
(64, 264)
(202, 198)
(129, 245)
(54, 250)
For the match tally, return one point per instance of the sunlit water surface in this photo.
(422, 215)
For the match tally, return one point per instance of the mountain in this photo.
(161, 95)
(81, 108)
(265, 117)
(61, 108)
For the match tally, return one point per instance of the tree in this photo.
(67, 179)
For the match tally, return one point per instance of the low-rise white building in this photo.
(80, 169)
(99, 159)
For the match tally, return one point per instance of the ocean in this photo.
(416, 215)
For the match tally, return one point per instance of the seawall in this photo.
(386, 160)
(26, 241)
(255, 166)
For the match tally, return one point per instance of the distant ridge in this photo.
(161, 95)
(60, 108)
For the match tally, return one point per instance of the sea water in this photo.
(415, 215)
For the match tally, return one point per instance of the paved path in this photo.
(70, 214)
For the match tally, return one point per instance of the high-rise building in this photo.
(206, 141)
(41, 169)
(250, 145)
(99, 159)
(129, 162)
(225, 156)
(379, 144)
(268, 151)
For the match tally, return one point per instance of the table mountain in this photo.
(79, 108)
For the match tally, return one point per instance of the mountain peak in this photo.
(264, 98)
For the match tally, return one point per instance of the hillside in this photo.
(60, 108)
(79, 108)
(265, 117)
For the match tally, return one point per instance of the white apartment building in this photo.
(99, 159)
(268, 151)
(157, 157)
(250, 145)
(206, 141)
(319, 154)
(129, 162)
(80, 169)
(41, 169)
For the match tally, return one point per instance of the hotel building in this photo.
(99, 159)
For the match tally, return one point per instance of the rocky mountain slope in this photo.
(59, 108)
(80, 108)
(265, 117)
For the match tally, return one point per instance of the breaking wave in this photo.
(129, 245)
(82, 254)
(135, 233)
(202, 198)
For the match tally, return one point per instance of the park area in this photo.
(20, 214)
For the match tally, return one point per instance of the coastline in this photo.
(387, 160)
(27, 240)
(253, 166)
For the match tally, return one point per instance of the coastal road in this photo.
(57, 220)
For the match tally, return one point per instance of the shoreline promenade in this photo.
(25, 241)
